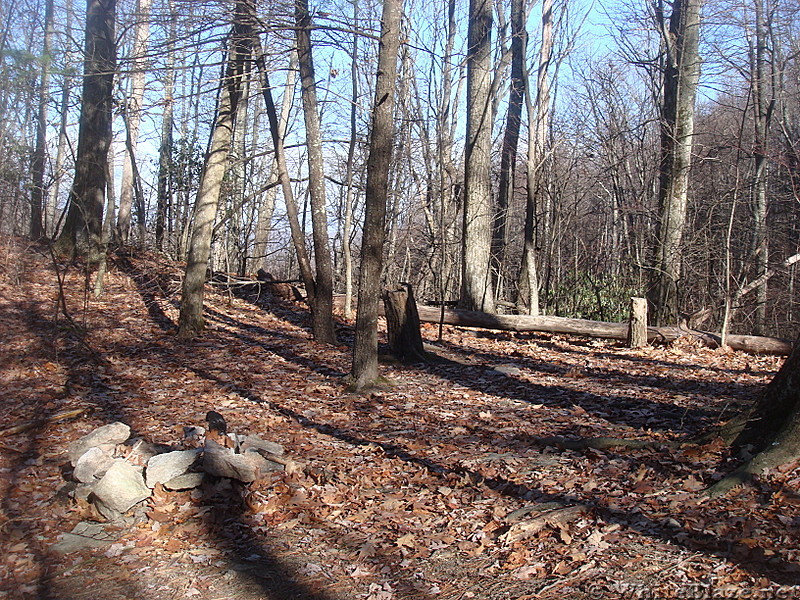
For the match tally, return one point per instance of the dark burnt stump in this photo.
(402, 324)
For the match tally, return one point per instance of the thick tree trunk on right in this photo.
(681, 74)
(477, 289)
(82, 232)
(771, 428)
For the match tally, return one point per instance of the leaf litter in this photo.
(448, 484)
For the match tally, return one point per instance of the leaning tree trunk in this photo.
(82, 232)
(364, 371)
(191, 320)
(771, 428)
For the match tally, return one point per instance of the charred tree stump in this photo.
(402, 324)
(637, 331)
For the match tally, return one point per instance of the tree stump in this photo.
(637, 331)
(402, 324)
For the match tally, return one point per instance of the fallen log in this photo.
(597, 329)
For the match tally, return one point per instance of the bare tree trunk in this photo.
(477, 288)
(82, 230)
(37, 161)
(682, 71)
(164, 200)
(538, 125)
(322, 301)
(292, 213)
(191, 321)
(508, 157)
(364, 372)
(347, 253)
(133, 113)
(764, 104)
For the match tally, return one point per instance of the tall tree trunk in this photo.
(37, 162)
(82, 230)
(538, 126)
(278, 161)
(322, 301)
(66, 87)
(681, 74)
(292, 213)
(133, 114)
(164, 200)
(763, 104)
(191, 321)
(364, 371)
(347, 253)
(508, 156)
(477, 288)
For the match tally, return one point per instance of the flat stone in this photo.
(121, 487)
(188, 481)
(223, 462)
(253, 441)
(111, 434)
(92, 465)
(84, 535)
(163, 467)
(264, 464)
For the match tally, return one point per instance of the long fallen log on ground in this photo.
(597, 329)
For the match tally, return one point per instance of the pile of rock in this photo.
(114, 472)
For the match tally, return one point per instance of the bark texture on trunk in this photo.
(402, 324)
(82, 232)
(364, 372)
(322, 301)
(681, 75)
(477, 291)
(191, 321)
(771, 428)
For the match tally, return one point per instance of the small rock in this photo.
(111, 434)
(264, 464)
(253, 441)
(508, 369)
(188, 481)
(142, 450)
(121, 487)
(92, 465)
(84, 535)
(223, 462)
(163, 467)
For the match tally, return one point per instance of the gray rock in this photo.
(508, 369)
(253, 441)
(84, 535)
(121, 487)
(223, 462)
(188, 481)
(264, 464)
(111, 434)
(142, 450)
(92, 465)
(163, 467)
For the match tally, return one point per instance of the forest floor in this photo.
(438, 487)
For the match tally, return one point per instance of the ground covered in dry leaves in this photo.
(439, 487)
